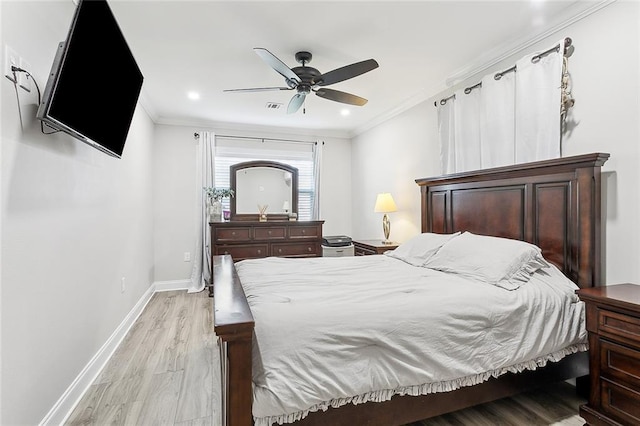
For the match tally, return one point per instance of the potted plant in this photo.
(214, 201)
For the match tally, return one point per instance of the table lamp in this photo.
(385, 204)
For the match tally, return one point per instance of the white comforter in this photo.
(332, 331)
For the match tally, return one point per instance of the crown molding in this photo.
(147, 105)
(497, 55)
(482, 63)
(218, 126)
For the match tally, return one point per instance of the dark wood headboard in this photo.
(554, 204)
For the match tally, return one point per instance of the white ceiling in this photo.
(207, 46)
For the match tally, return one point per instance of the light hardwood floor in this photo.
(166, 372)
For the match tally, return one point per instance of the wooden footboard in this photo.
(233, 324)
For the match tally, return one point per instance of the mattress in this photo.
(335, 331)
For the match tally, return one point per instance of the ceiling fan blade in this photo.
(338, 96)
(347, 72)
(258, 89)
(276, 64)
(296, 102)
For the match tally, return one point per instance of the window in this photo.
(230, 151)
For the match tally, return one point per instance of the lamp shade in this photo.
(385, 203)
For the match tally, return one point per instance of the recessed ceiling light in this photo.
(345, 112)
(194, 96)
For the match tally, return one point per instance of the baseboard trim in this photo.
(63, 408)
(171, 285)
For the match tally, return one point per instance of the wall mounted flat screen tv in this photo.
(95, 82)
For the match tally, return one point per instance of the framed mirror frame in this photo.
(268, 164)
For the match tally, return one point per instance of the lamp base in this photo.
(386, 228)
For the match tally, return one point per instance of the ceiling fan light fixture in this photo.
(304, 89)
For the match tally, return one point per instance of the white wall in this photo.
(606, 87)
(388, 158)
(74, 222)
(176, 190)
(606, 84)
(174, 196)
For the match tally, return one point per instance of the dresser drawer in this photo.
(369, 247)
(620, 363)
(617, 324)
(304, 232)
(295, 249)
(239, 252)
(269, 233)
(364, 251)
(232, 234)
(620, 402)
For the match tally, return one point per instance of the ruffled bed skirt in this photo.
(423, 389)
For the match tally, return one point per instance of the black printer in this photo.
(336, 241)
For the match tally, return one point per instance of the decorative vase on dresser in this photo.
(613, 323)
(215, 211)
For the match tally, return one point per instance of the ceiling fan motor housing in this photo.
(308, 75)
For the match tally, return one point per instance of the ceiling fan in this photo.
(305, 79)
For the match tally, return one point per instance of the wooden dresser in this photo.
(613, 323)
(249, 240)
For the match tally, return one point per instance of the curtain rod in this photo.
(568, 51)
(444, 101)
(266, 139)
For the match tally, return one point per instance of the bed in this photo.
(553, 204)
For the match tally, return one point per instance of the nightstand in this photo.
(613, 323)
(367, 247)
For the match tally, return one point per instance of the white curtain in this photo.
(317, 167)
(514, 119)
(467, 130)
(200, 272)
(538, 94)
(497, 120)
(446, 128)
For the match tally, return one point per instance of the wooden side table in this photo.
(613, 323)
(367, 247)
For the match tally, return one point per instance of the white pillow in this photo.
(498, 261)
(417, 250)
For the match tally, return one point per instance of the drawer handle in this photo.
(269, 232)
(226, 252)
(259, 251)
(309, 249)
(304, 231)
(279, 250)
(233, 233)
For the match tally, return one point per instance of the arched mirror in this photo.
(263, 183)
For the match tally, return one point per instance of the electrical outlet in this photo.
(187, 256)
(23, 80)
(10, 58)
(122, 285)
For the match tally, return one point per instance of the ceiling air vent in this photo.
(273, 105)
